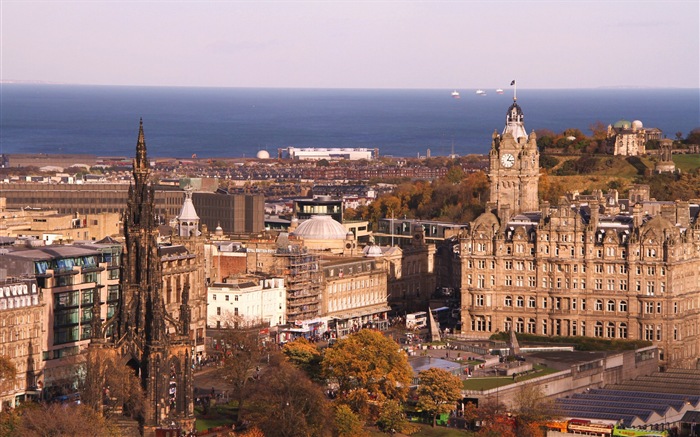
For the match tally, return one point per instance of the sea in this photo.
(240, 122)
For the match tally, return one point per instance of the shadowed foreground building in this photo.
(594, 266)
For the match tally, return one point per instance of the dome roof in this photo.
(263, 154)
(321, 227)
(372, 250)
(622, 124)
(636, 124)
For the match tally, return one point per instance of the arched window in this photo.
(599, 305)
(507, 324)
(520, 302)
(623, 306)
(531, 326)
(611, 306)
(598, 329)
(610, 331)
(622, 330)
(519, 325)
(509, 301)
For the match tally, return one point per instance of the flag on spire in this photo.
(512, 83)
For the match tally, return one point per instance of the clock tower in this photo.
(514, 167)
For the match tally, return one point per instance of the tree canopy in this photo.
(368, 367)
(438, 391)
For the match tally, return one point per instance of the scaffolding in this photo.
(304, 282)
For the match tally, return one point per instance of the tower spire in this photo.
(141, 160)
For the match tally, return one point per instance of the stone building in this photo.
(411, 276)
(354, 294)
(49, 226)
(184, 263)
(68, 280)
(599, 267)
(20, 339)
(629, 139)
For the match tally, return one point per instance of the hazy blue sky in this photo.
(354, 44)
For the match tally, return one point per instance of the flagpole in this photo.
(515, 90)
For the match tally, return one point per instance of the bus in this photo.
(417, 320)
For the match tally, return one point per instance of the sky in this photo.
(353, 44)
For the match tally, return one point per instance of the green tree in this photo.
(369, 362)
(438, 391)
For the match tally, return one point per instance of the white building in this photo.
(246, 302)
(330, 154)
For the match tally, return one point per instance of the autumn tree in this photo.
(242, 354)
(438, 391)
(347, 423)
(286, 403)
(368, 362)
(7, 368)
(533, 409)
(60, 420)
(305, 356)
(393, 418)
(109, 384)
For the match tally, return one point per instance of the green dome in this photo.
(622, 124)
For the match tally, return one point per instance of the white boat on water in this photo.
(499, 91)
(481, 92)
(455, 94)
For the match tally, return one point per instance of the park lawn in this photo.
(687, 163)
(219, 415)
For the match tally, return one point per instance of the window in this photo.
(623, 306)
(531, 327)
(227, 298)
(218, 311)
(531, 302)
(544, 302)
(557, 303)
(610, 330)
(598, 284)
(611, 284)
(622, 330)
(509, 301)
(519, 281)
(649, 307)
(611, 306)
(509, 265)
(598, 329)
(573, 303)
(531, 281)
(509, 280)
(599, 305)
(520, 302)
(479, 300)
(599, 268)
(650, 288)
(623, 284)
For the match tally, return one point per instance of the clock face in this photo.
(507, 160)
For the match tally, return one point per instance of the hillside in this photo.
(585, 173)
